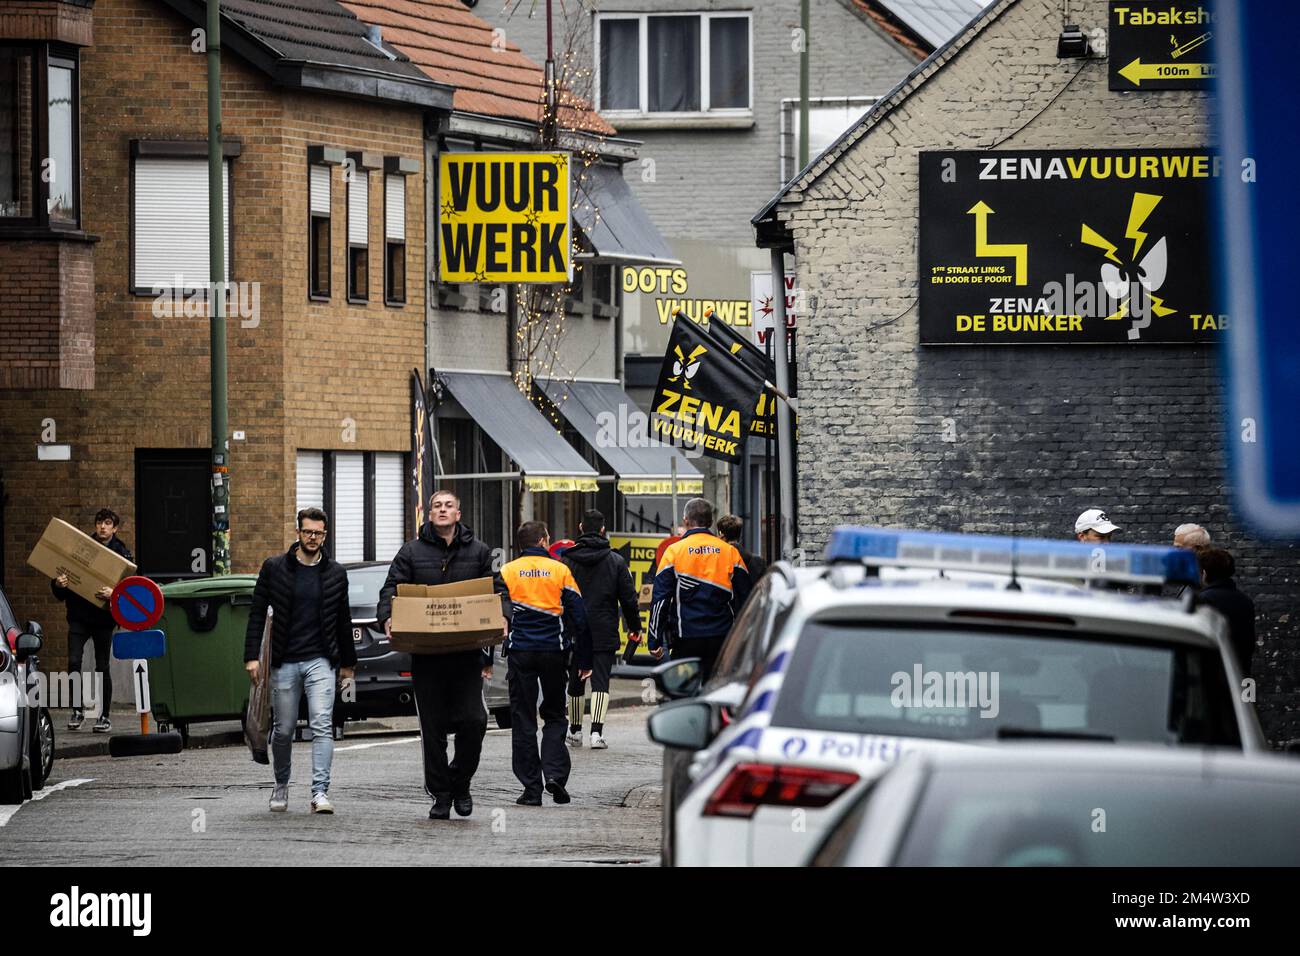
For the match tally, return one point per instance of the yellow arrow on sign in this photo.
(1137, 71)
(986, 250)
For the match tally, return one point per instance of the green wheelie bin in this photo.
(201, 677)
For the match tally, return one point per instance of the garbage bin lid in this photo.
(225, 585)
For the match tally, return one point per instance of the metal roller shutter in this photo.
(311, 480)
(349, 518)
(320, 190)
(390, 504)
(395, 208)
(359, 209)
(171, 222)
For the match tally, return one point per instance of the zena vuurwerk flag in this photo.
(422, 477)
(705, 398)
(747, 354)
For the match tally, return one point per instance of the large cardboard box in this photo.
(87, 563)
(445, 618)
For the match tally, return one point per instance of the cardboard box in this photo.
(87, 563)
(446, 618)
(645, 598)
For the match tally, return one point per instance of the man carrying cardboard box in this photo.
(448, 687)
(549, 621)
(88, 621)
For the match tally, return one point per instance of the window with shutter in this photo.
(395, 240)
(359, 236)
(311, 480)
(319, 237)
(171, 223)
(349, 518)
(390, 504)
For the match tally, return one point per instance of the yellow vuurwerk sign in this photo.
(504, 217)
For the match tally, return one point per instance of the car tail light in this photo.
(403, 673)
(12, 636)
(751, 785)
(725, 714)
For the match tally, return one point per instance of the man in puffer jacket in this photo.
(607, 588)
(448, 687)
(311, 639)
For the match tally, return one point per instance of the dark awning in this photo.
(547, 461)
(643, 469)
(615, 224)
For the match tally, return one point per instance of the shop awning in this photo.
(547, 461)
(621, 438)
(615, 224)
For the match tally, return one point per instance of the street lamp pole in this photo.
(217, 302)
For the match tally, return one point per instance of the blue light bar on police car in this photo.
(1032, 557)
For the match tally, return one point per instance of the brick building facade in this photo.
(131, 386)
(1006, 439)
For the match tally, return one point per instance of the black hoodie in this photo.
(430, 560)
(606, 586)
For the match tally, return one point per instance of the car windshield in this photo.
(1037, 818)
(976, 683)
(364, 585)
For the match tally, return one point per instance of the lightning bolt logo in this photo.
(1143, 205)
(1092, 237)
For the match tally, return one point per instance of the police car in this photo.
(916, 641)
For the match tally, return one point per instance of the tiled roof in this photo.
(318, 31)
(897, 33)
(453, 46)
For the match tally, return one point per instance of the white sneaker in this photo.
(574, 740)
(279, 799)
(320, 803)
(598, 742)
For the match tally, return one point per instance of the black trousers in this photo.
(527, 670)
(705, 648)
(449, 700)
(102, 638)
(602, 665)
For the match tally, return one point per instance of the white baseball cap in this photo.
(1094, 519)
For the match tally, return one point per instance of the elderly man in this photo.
(1192, 537)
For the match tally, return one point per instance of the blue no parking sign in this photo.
(1259, 207)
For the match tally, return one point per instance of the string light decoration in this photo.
(542, 310)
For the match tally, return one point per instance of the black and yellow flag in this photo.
(706, 397)
(747, 354)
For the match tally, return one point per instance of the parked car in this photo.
(26, 728)
(1082, 805)
(383, 675)
(820, 718)
(742, 654)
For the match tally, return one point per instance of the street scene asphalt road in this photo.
(208, 807)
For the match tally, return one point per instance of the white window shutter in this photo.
(359, 209)
(390, 504)
(171, 222)
(320, 190)
(395, 208)
(348, 523)
(311, 479)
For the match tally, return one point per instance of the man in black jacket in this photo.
(448, 687)
(92, 622)
(1219, 591)
(730, 528)
(311, 638)
(607, 588)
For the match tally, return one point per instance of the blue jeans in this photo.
(288, 681)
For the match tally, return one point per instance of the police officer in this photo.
(548, 621)
(700, 586)
(448, 687)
